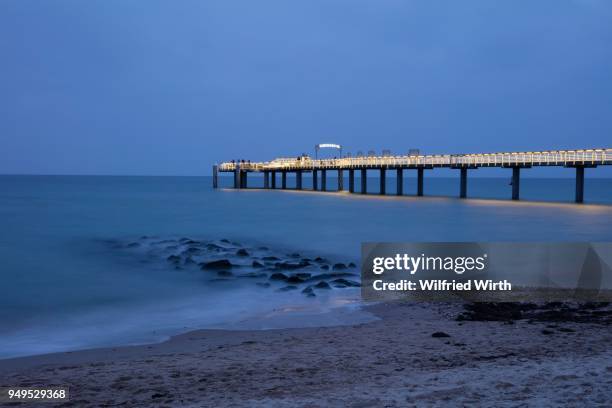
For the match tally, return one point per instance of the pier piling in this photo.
(340, 180)
(463, 183)
(400, 182)
(242, 179)
(315, 180)
(579, 184)
(351, 181)
(420, 172)
(516, 182)
(364, 181)
(323, 180)
(237, 177)
(284, 180)
(383, 181)
(273, 174)
(266, 179)
(215, 176)
(298, 179)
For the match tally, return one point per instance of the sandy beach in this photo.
(392, 361)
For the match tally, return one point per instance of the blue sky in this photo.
(170, 87)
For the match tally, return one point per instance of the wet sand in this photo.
(392, 361)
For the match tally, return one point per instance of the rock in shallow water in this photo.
(346, 282)
(256, 264)
(287, 288)
(242, 252)
(220, 264)
(278, 276)
(339, 267)
(323, 276)
(252, 275)
(224, 273)
(295, 279)
(291, 265)
(322, 285)
(174, 259)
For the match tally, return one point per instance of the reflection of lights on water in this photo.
(485, 202)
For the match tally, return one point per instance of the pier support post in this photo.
(364, 181)
(215, 176)
(284, 180)
(237, 177)
(420, 172)
(340, 180)
(351, 181)
(463, 183)
(298, 179)
(579, 184)
(315, 180)
(383, 181)
(243, 179)
(323, 180)
(273, 174)
(400, 182)
(266, 179)
(516, 182)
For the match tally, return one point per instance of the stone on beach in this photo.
(242, 252)
(322, 285)
(278, 276)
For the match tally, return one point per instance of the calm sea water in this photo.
(63, 287)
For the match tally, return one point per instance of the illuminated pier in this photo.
(577, 159)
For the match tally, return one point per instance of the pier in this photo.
(463, 163)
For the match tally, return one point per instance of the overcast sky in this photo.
(170, 87)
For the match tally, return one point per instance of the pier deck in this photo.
(578, 159)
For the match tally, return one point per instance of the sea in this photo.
(86, 261)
